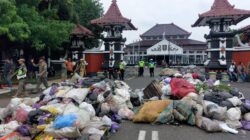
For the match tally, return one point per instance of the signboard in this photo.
(165, 47)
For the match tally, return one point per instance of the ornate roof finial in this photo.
(114, 1)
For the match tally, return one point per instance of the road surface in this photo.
(131, 131)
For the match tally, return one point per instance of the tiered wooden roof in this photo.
(114, 17)
(222, 9)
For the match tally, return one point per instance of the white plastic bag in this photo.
(107, 121)
(126, 113)
(78, 94)
(70, 109)
(247, 117)
(66, 132)
(105, 108)
(214, 111)
(89, 108)
(166, 90)
(118, 103)
(235, 101)
(234, 114)
(83, 117)
(123, 93)
(6, 129)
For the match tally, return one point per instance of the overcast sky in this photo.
(146, 13)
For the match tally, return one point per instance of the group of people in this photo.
(122, 66)
(68, 68)
(151, 66)
(237, 71)
(113, 70)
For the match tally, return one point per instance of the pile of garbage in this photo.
(93, 108)
(76, 109)
(190, 99)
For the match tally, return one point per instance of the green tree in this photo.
(11, 25)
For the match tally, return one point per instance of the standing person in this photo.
(62, 61)
(122, 66)
(241, 71)
(112, 68)
(7, 69)
(69, 66)
(141, 67)
(81, 68)
(232, 73)
(42, 74)
(151, 66)
(21, 77)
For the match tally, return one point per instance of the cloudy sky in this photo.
(146, 13)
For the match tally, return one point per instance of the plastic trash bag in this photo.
(246, 125)
(233, 114)
(66, 132)
(78, 94)
(124, 93)
(235, 101)
(25, 107)
(83, 117)
(8, 128)
(180, 87)
(214, 111)
(208, 124)
(54, 108)
(21, 115)
(107, 121)
(236, 124)
(247, 116)
(105, 108)
(30, 101)
(64, 121)
(166, 90)
(24, 130)
(118, 103)
(151, 110)
(44, 137)
(126, 113)
(70, 109)
(88, 107)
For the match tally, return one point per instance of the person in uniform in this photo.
(122, 66)
(21, 77)
(81, 68)
(43, 73)
(151, 66)
(141, 68)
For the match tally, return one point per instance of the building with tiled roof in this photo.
(112, 17)
(219, 19)
(222, 8)
(155, 44)
(80, 30)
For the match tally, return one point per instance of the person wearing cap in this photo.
(122, 66)
(21, 77)
(141, 67)
(151, 66)
(42, 74)
(81, 67)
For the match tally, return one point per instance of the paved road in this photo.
(131, 131)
